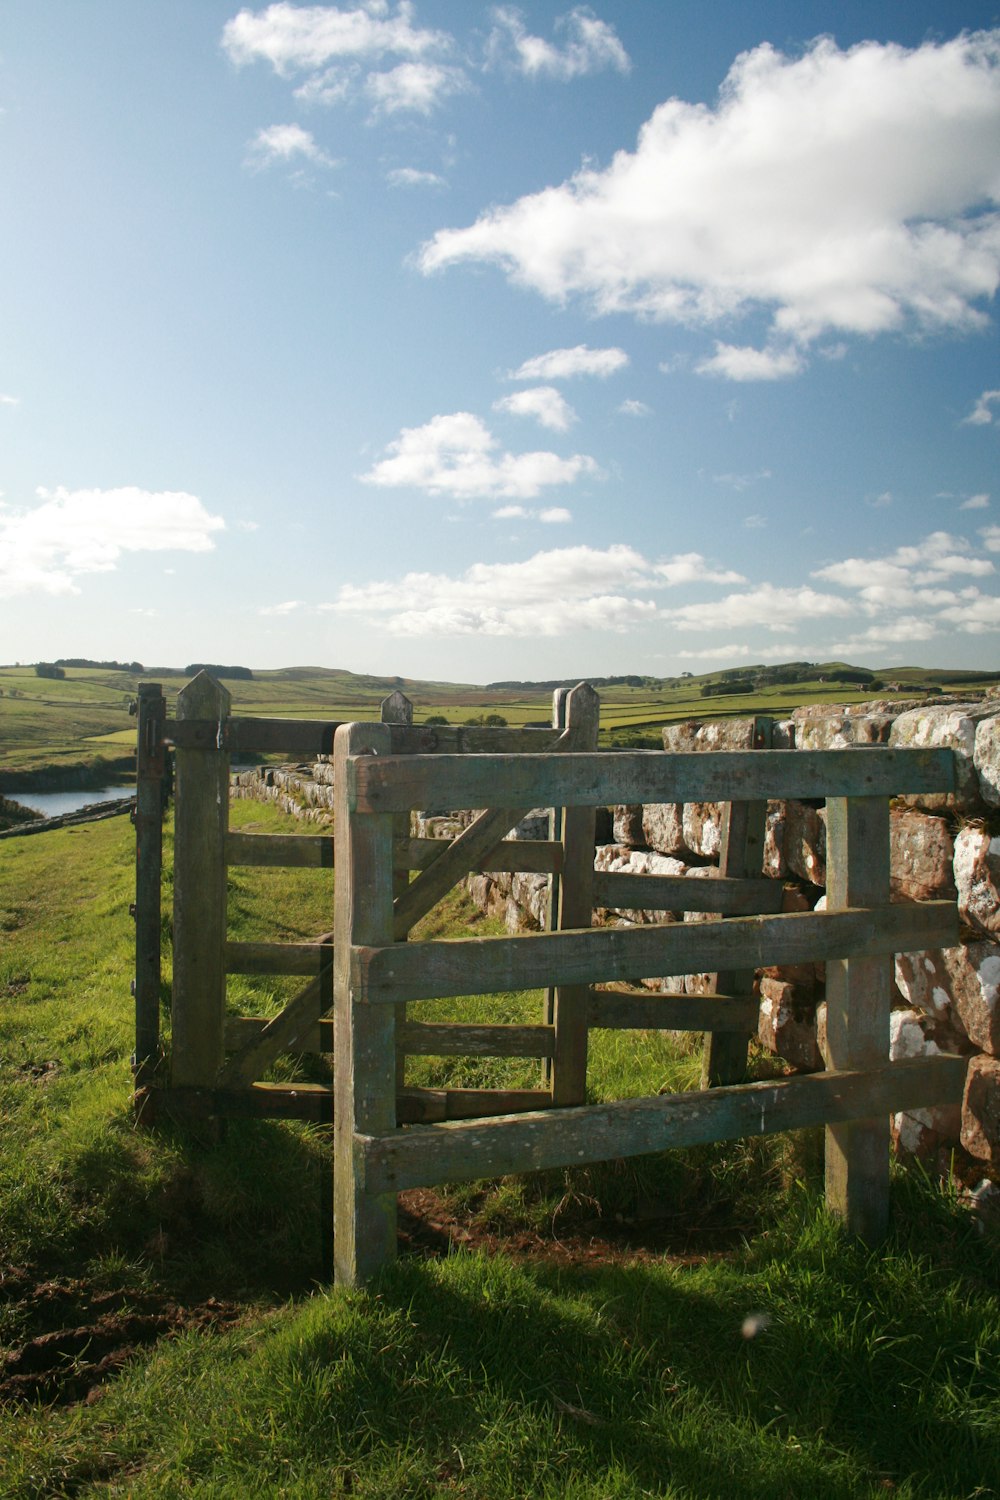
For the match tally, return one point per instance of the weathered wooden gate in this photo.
(217, 1061)
(855, 936)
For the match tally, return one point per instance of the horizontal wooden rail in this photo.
(427, 1106)
(456, 1039)
(729, 897)
(310, 737)
(455, 1152)
(649, 1010)
(575, 779)
(316, 852)
(278, 958)
(314, 1102)
(483, 966)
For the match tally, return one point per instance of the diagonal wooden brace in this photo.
(282, 1032)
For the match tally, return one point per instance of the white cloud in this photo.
(456, 454)
(890, 633)
(777, 609)
(936, 559)
(591, 45)
(846, 191)
(881, 501)
(560, 364)
(691, 567)
(544, 403)
(981, 414)
(10, 400)
(285, 143)
(633, 408)
(991, 538)
(76, 532)
(417, 86)
(411, 177)
(300, 38)
(977, 614)
(555, 515)
(715, 653)
(741, 482)
(278, 611)
(551, 515)
(975, 502)
(736, 363)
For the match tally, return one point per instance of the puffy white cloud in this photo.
(981, 414)
(560, 364)
(456, 454)
(417, 86)
(773, 608)
(893, 632)
(285, 143)
(555, 515)
(937, 558)
(691, 567)
(736, 363)
(991, 538)
(846, 191)
(544, 403)
(298, 38)
(550, 515)
(9, 400)
(591, 45)
(411, 177)
(76, 532)
(975, 502)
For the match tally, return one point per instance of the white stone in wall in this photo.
(787, 1026)
(620, 860)
(702, 822)
(977, 876)
(959, 986)
(627, 825)
(804, 843)
(773, 865)
(839, 730)
(662, 826)
(920, 1131)
(986, 758)
(949, 726)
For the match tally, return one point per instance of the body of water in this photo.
(53, 804)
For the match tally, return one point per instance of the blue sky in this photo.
(472, 342)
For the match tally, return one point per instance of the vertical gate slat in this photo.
(397, 709)
(150, 769)
(364, 1053)
(200, 824)
(858, 1002)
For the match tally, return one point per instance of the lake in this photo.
(53, 804)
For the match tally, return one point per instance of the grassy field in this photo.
(683, 1326)
(83, 720)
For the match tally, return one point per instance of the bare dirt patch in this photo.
(90, 1334)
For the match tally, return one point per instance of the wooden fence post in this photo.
(364, 1059)
(200, 822)
(858, 1002)
(150, 769)
(724, 1054)
(397, 709)
(575, 908)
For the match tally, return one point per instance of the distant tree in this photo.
(48, 669)
(239, 674)
(486, 721)
(436, 719)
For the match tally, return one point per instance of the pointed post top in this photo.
(397, 709)
(203, 698)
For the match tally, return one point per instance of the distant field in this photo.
(84, 718)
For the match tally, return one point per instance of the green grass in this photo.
(470, 1375)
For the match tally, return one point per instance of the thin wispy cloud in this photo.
(844, 192)
(9, 400)
(285, 144)
(975, 502)
(981, 414)
(585, 44)
(634, 408)
(412, 177)
(563, 364)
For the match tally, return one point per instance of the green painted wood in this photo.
(200, 825)
(466, 966)
(364, 1048)
(459, 1151)
(276, 958)
(647, 1010)
(575, 907)
(149, 785)
(602, 779)
(288, 850)
(674, 893)
(858, 1001)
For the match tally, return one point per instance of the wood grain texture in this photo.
(645, 1010)
(303, 738)
(200, 824)
(574, 909)
(364, 1049)
(466, 966)
(674, 893)
(456, 1152)
(150, 769)
(602, 779)
(276, 958)
(858, 1002)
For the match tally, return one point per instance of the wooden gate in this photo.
(217, 1061)
(374, 973)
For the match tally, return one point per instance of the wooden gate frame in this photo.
(855, 936)
(216, 1062)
